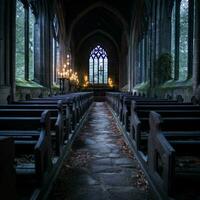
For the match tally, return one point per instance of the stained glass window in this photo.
(98, 66)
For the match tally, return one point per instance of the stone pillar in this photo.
(7, 49)
(152, 43)
(2, 43)
(196, 58)
(165, 26)
(128, 69)
(157, 28)
(42, 44)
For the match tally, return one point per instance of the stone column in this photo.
(42, 44)
(128, 69)
(165, 28)
(152, 44)
(2, 39)
(7, 49)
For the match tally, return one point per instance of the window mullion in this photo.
(98, 69)
(103, 71)
(93, 70)
(97, 66)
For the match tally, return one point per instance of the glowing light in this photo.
(86, 82)
(110, 82)
(66, 73)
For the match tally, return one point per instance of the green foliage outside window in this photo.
(31, 45)
(183, 39)
(20, 42)
(20, 48)
(183, 48)
(163, 68)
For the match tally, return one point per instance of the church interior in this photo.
(94, 99)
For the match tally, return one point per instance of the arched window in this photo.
(98, 66)
(182, 39)
(25, 21)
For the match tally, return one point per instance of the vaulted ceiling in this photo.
(88, 17)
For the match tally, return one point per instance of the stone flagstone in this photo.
(98, 169)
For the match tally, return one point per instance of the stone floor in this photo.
(100, 167)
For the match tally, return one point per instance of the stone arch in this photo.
(103, 33)
(115, 12)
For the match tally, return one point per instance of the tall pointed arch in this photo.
(98, 66)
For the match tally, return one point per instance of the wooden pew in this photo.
(31, 136)
(181, 130)
(76, 105)
(117, 99)
(39, 170)
(174, 119)
(173, 157)
(69, 101)
(126, 112)
(120, 102)
(41, 106)
(57, 126)
(7, 171)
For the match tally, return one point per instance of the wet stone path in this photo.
(100, 166)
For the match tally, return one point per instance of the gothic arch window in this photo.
(98, 66)
(182, 39)
(25, 21)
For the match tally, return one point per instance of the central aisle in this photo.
(100, 167)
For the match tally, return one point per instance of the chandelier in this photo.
(66, 73)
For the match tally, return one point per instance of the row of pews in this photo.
(35, 137)
(165, 136)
